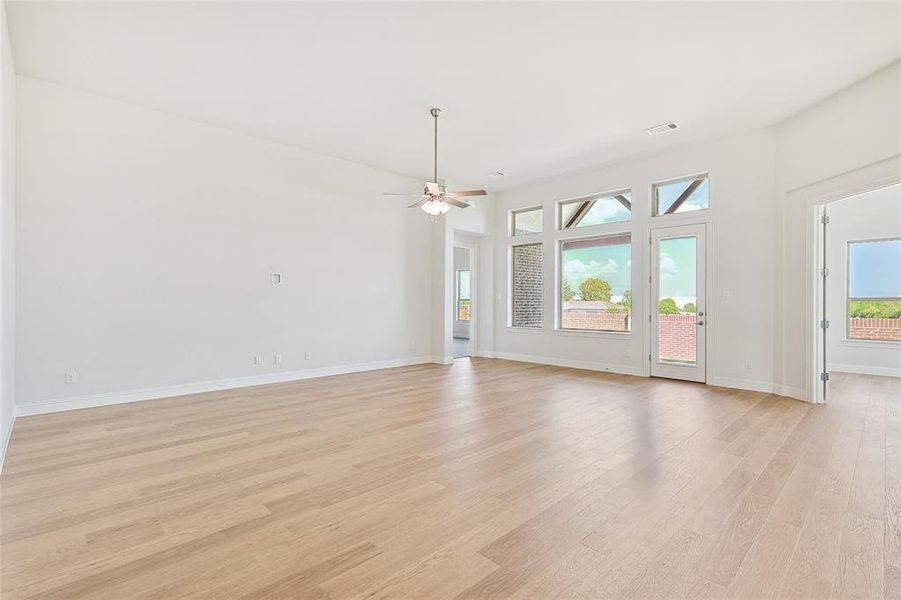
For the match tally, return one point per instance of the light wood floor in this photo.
(485, 479)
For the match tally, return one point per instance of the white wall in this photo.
(855, 128)
(7, 235)
(873, 215)
(145, 244)
(461, 263)
(743, 274)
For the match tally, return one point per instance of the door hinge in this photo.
(824, 376)
(824, 324)
(649, 318)
(825, 272)
(824, 219)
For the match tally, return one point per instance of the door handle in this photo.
(700, 322)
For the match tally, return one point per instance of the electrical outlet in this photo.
(278, 359)
(275, 278)
(308, 355)
(257, 360)
(748, 364)
(72, 377)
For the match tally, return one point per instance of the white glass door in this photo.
(678, 303)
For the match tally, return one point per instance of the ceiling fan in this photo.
(435, 199)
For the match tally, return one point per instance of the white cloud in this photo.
(579, 270)
(668, 266)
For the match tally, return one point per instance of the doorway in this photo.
(679, 303)
(859, 291)
(463, 299)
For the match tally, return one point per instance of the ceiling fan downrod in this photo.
(435, 112)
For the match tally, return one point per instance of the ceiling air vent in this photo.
(658, 129)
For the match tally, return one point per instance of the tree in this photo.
(595, 289)
(690, 308)
(668, 307)
(567, 292)
(627, 299)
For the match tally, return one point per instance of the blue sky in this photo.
(678, 277)
(875, 269)
(610, 263)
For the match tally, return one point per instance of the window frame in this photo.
(511, 289)
(598, 196)
(849, 298)
(655, 185)
(511, 228)
(458, 298)
(559, 281)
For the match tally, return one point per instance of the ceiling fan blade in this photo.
(469, 193)
(432, 188)
(418, 204)
(398, 194)
(455, 202)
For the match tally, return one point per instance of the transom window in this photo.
(874, 290)
(527, 220)
(596, 210)
(682, 195)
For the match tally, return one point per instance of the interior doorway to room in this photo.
(678, 302)
(859, 292)
(463, 299)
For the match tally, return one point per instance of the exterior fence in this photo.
(888, 330)
(677, 336)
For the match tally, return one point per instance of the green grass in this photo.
(876, 309)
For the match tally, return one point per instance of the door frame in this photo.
(813, 197)
(473, 242)
(705, 227)
(472, 297)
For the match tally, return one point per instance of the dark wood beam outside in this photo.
(684, 196)
(579, 214)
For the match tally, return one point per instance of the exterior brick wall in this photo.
(586, 319)
(677, 336)
(527, 285)
(876, 329)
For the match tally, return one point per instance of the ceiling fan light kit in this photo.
(435, 199)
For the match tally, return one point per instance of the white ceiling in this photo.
(528, 89)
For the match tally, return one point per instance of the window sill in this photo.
(870, 343)
(525, 329)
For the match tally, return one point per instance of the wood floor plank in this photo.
(484, 479)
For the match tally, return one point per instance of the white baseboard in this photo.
(866, 370)
(7, 433)
(759, 386)
(109, 398)
(573, 364)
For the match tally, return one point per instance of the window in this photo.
(683, 195)
(596, 210)
(874, 290)
(464, 299)
(527, 220)
(596, 283)
(528, 286)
